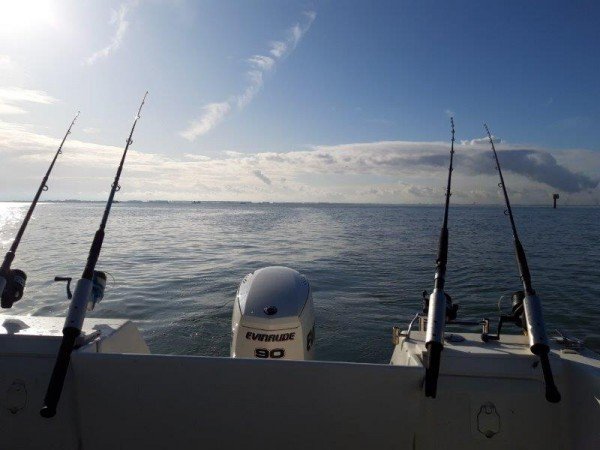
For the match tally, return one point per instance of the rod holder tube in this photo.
(434, 339)
(78, 306)
(2, 284)
(436, 318)
(536, 330)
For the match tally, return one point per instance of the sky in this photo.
(301, 101)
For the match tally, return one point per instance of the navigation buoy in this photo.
(555, 197)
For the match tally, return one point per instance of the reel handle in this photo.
(68, 280)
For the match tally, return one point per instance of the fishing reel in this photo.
(98, 287)
(15, 287)
(451, 308)
(516, 316)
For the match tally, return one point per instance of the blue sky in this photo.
(301, 101)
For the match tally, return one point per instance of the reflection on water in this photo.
(175, 267)
(11, 215)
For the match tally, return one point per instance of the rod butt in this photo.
(433, 369)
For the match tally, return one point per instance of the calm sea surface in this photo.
(176, 267)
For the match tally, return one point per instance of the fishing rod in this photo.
(439, 308)
(88, 291)
(532, 305)
(12, 281)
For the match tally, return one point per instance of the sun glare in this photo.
(26, 15)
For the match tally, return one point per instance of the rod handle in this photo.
(552, 394)
(57, 380)
(433, 368)
(2, 284)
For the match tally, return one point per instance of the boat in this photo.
(94, 384)
(119, 395)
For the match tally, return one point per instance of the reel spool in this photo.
(517, 309)
(98, 287)
(15, 287)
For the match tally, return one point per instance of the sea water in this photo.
(174, 268)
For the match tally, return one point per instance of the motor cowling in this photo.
(273, 316)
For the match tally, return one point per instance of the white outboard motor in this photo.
(273, 316)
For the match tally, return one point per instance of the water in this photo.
(176, 267)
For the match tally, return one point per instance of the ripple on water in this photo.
(176, 267)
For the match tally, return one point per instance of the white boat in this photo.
(119, 395)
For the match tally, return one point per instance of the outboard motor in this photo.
(273, 316)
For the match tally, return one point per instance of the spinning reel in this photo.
(15, 287)
(451, 308)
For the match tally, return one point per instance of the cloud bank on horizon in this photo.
(384, 172)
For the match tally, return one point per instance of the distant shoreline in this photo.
(231, 202)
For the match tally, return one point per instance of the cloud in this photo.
(5, 62)
(12, 97)
(11, 109)
(15, 94)
(261, 62)
(481, 141)
(262, 177)
(384, 172)
(197, 157)
(91, 130)
(280, 49)
(536, 165)
(259, 66)
(119, 21)
(212, 114)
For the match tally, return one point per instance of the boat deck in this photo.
(117, 395)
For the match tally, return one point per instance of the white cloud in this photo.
(259, 66)
(255, 78)
(278, 49)
(11, 109)
(262, 62)
(119, 21)
(11, 99)
(91, 130)
(197, 157)
(386, 172)
(5, 62)
(212, 114)
(15, 94)
(481, 141)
